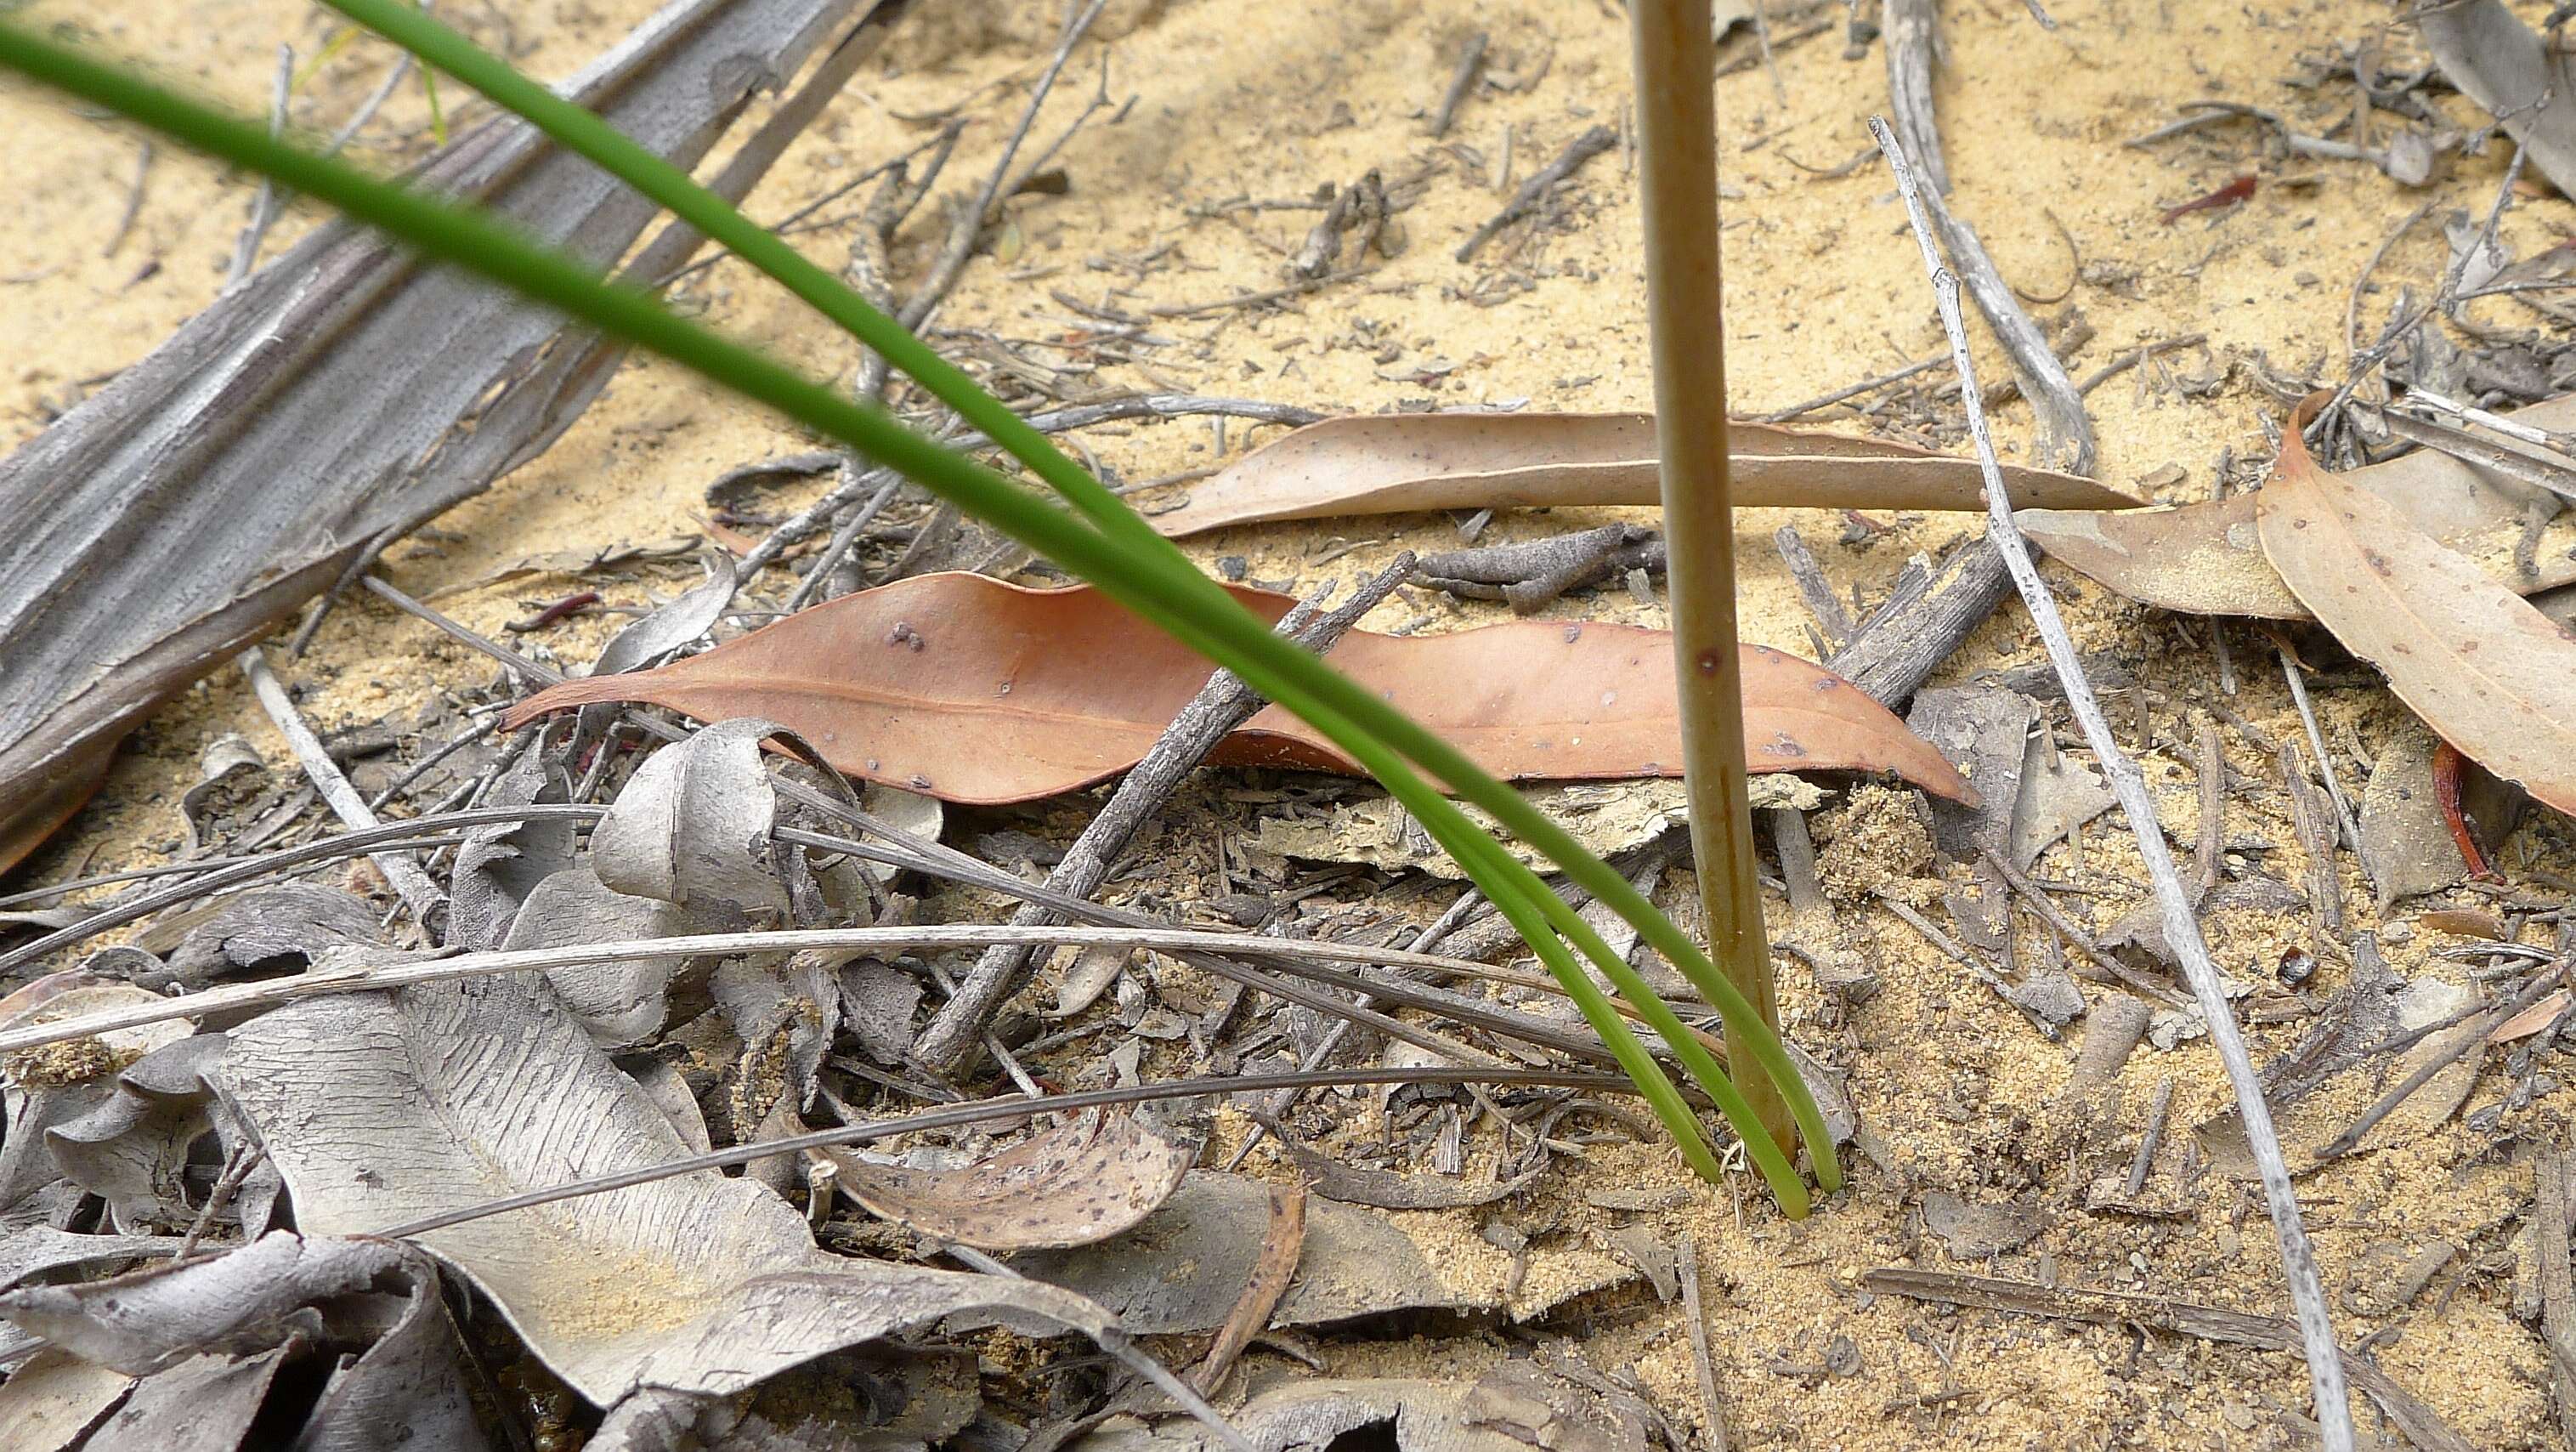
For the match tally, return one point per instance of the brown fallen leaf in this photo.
(2495, 677)
(2204, 559)
(976, 691)
(1083, 1181)
(1399, 463)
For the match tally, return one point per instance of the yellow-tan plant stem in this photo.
(1677, 153)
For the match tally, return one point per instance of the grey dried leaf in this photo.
(2057, 795)
(1973, 1230)
(275, 929)
(499, 866)
(132, 1148)
(2406, 844)
(1087, 977)
(620, 1003)
(2050, 993)
(382, 1109)
(692, 825)
(203, 1404)
(1078, 1183)
(1393, 1189)
(35, 1249)
(665, 630)
(2502, 64)
(1985, 731)
(373, 1306)
(2313, 1111)
(226, 765)
(1183, 1266)
(42, 1088)
(52, 1402)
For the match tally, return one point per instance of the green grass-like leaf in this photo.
(1108, 545)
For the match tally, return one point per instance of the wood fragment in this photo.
(2549, 1235)
(423, 896)
(2422, 1425)
(2152, 1137)
(1534, 191)
(2313, 818)
(1813, 587)
(1471, 65)
(1703, 1370)
(2531, 993)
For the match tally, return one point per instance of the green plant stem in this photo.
(1751, 1020)
(1677, 152)
(1162, 587)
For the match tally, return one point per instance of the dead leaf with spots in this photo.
(2495, 677)
(1402, 463)
(2206, 559)
(981, 692)
(1077, 1183)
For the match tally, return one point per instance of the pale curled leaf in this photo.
(384, 1109)
(2207, 559)
(976, 691)
(1401, 463)
(498, 867)
(673, 625)
(691, 828)
(623, 1002)
(1080, 1182)
(396, 1374)
(2495, 677)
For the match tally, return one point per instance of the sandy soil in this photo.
(1824, 287)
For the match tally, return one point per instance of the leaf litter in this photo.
(1948, 1112)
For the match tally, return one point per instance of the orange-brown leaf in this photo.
(977, 691)
(1398, 463)
(2490, 674)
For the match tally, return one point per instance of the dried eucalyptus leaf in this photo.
(2057, 795)
(266, 930)
(692, 825)
(380, 1109)
(1984, 730)
(35, 1249)
(132, 1149)
(61, 1082)
(375, 1306)
(1183, 1267)
(1080, 1182)
(620, 1003)
(203, 1404)
(499, 866)
(673, 625)
(51, 1403)
(787, 1005)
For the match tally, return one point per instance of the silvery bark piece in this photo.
(210, 489)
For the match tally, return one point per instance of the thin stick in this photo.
(401, 972)
(133, 203)
(2317, 742)
(1853, 390)
(1471, 64)
(409, 882)
(1695, 1324)
(1534, 191)
(2154, 1136)
(1018, 1106)
(1676, 63)
(2472, 1042)
(264, 203)
(2182, 929)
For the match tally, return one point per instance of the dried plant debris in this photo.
(1606, 817)
(2321, 1083)
(499, 867)
(1083, 1181)
(1182, 1268)
(2502, 64)
(370, 1310)
(2207, 559)
(379, 1110)
(46, 1088)
(2408, 844)
(691, 827)
(1986, 731)
(2493, 676)
(972, 690)
(160, 533)
(1514, 1407)
(1402, 463)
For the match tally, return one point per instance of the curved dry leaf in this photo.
(1077, 1183)
(132, 1149)
(1401, 463)
(382, 1109)
(2495, 677)
(396, 1373)
(673, 625)
(1183, 1267)
(620, 1003)
(61, 1082)
(2207, 559)
(982, 692)
(499, 866)
(691, 827)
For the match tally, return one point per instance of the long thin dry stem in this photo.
(1677, 147)
(2182, 928)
